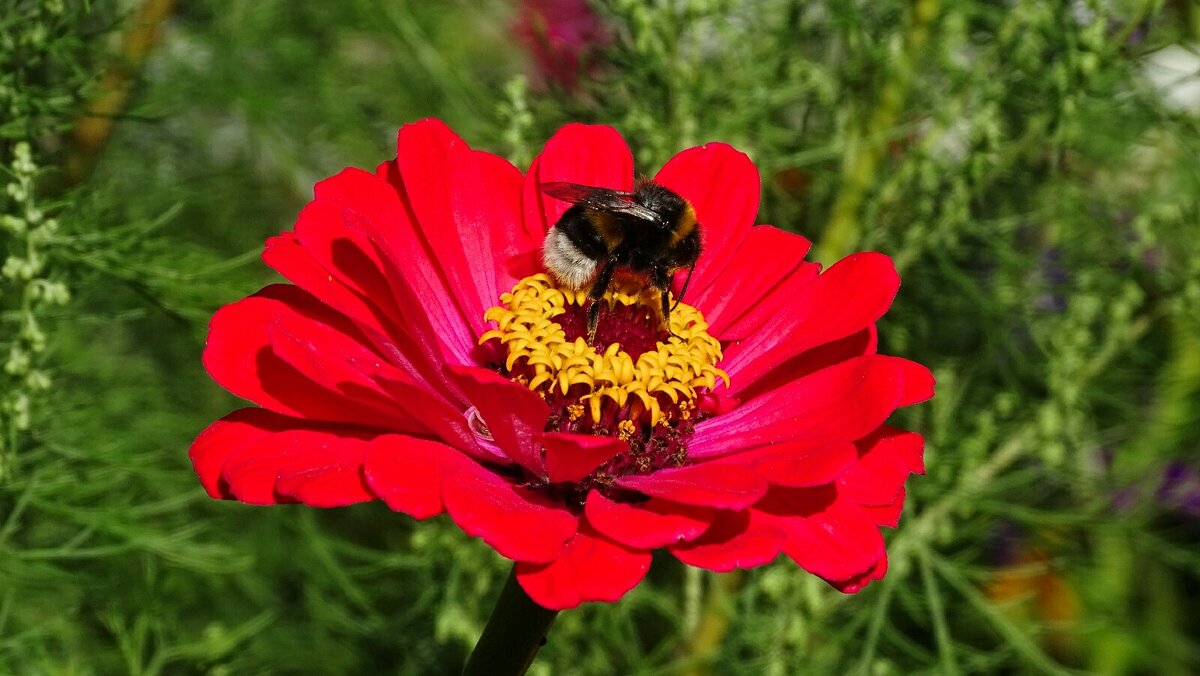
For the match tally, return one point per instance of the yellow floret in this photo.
(675, 370)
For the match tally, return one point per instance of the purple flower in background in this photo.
(562, 36)
(1179, 488)
(1138, 35)
(1055, 275)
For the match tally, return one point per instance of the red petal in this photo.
(918, 382)
(766, 258)
(723, 185)
(330, 257)
(345, 368)
(459, 200)
(590, 568)
(253, 470)
(514, 415)
(372, 207)
(843, 300)
(797, 463)
(345, 253)
(213, 447)
(571, 457)
(518, 523)
(886, 458)
(326, 476)
(856, 583)
(526, 263)
(647, 525)
(780, 300)
(407, 473)
(885, 515)
(810, 361)
(511, 241)
(289, 257)
(736, 540)
(706, 485)
(825, 535)
(843, 402)
(239, 356)
(593, 155)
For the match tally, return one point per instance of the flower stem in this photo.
(513, 635)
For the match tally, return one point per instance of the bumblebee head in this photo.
(675, 212)
(679, 217)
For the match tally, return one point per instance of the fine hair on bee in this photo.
(651, 232)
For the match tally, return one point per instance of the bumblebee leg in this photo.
(666, 312)
(683, 290)
(597, 294)
(593, 320)
(663, 281)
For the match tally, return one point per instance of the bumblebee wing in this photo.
(600, 199)
(574, 192)
(632, 208)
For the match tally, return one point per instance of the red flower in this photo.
(379, 377)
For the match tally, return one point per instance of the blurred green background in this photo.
(1033, 167)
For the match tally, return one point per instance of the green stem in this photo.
(513, 635)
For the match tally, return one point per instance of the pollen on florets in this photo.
(639, 382)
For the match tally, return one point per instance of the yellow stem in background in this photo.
(94, 128)
(866, 147)
(705, 641)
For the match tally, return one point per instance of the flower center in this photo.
(639, 382)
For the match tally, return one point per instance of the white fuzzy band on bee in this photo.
(566, 262)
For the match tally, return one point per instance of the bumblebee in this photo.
(651, 232)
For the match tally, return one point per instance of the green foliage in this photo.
(37, 88)
(1037, 191)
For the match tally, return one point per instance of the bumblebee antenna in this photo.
(679, 298)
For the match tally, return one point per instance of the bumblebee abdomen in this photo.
(565, 261)
(578, 225)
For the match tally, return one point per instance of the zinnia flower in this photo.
(421, 356)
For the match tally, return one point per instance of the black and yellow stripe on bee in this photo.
(685, 226)
(607, 227)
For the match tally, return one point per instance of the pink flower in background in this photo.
(562, 36)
